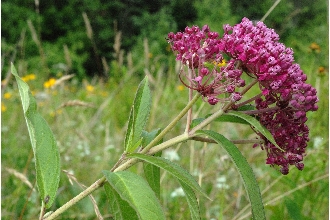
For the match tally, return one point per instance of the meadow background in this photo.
(83, 61)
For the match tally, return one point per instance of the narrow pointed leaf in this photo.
(152, 172)
(138, 116)
(192, 201)
(246, 172)
(256, 124)
(120, 209)
(173, 168)
(46, 154)
(136, 192)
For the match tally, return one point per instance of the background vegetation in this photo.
(109, 46)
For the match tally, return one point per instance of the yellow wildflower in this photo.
(315, 46)
(180, 87)
(7, 95)
(90, 88)
(29, 77)
(50, 83)
(321, 71)
(3, 107)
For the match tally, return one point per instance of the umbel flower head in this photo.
(285, 97)
(198, 50)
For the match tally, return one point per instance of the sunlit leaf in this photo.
(137, 193)
(138, 116)
(120, 209)
(46, 154)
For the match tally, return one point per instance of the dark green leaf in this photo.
(138, 116)
(172, 168)
(152, 172)
(192, 201)
(246, 172)
(137, 193)
(120, 209)
(46, 154)
(256, 124)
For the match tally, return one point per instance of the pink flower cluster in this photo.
(285, 97)
(283, 85)
(198, 49)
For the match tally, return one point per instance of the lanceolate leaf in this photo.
(172, 168)
(192, 201)
(249, 180)
(120, 209)
(46, 154)
(136, 192)
(256, 124)
(152, 172)
(138, 116)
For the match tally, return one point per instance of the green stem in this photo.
(171, 125)
(99, 183)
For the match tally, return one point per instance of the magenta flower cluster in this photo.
(199, 50)
(285, 97)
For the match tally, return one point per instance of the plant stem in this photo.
(99, 183)
(171, 125)
(79, 197)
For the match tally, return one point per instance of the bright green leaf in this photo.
(46, 154)
(256, 124)
(138, 116)
(136, 192)
(172, 168)
(120, 209)
(246, 172)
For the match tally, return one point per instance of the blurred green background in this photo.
(109, 46)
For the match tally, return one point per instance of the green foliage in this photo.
(136, 192)
(250, 182)
(47, 158)
(90, 138)
(138, 117)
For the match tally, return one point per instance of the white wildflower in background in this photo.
(177, 192)
(221, 183)
(171, 155)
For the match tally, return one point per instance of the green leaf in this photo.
(246, 172)
(223, 118)
(46, 154)
(152, 172)
(138, 116)
(172, 168)
(192, 201)
(256, 124)
(231, 118)
(136, 192)
(120, 209)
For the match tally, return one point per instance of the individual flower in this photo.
(3, 107)
(90, 88)
(7, 95)
(198, 50)
(49, 83)
(29, 77)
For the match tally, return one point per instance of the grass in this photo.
(89, 119)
